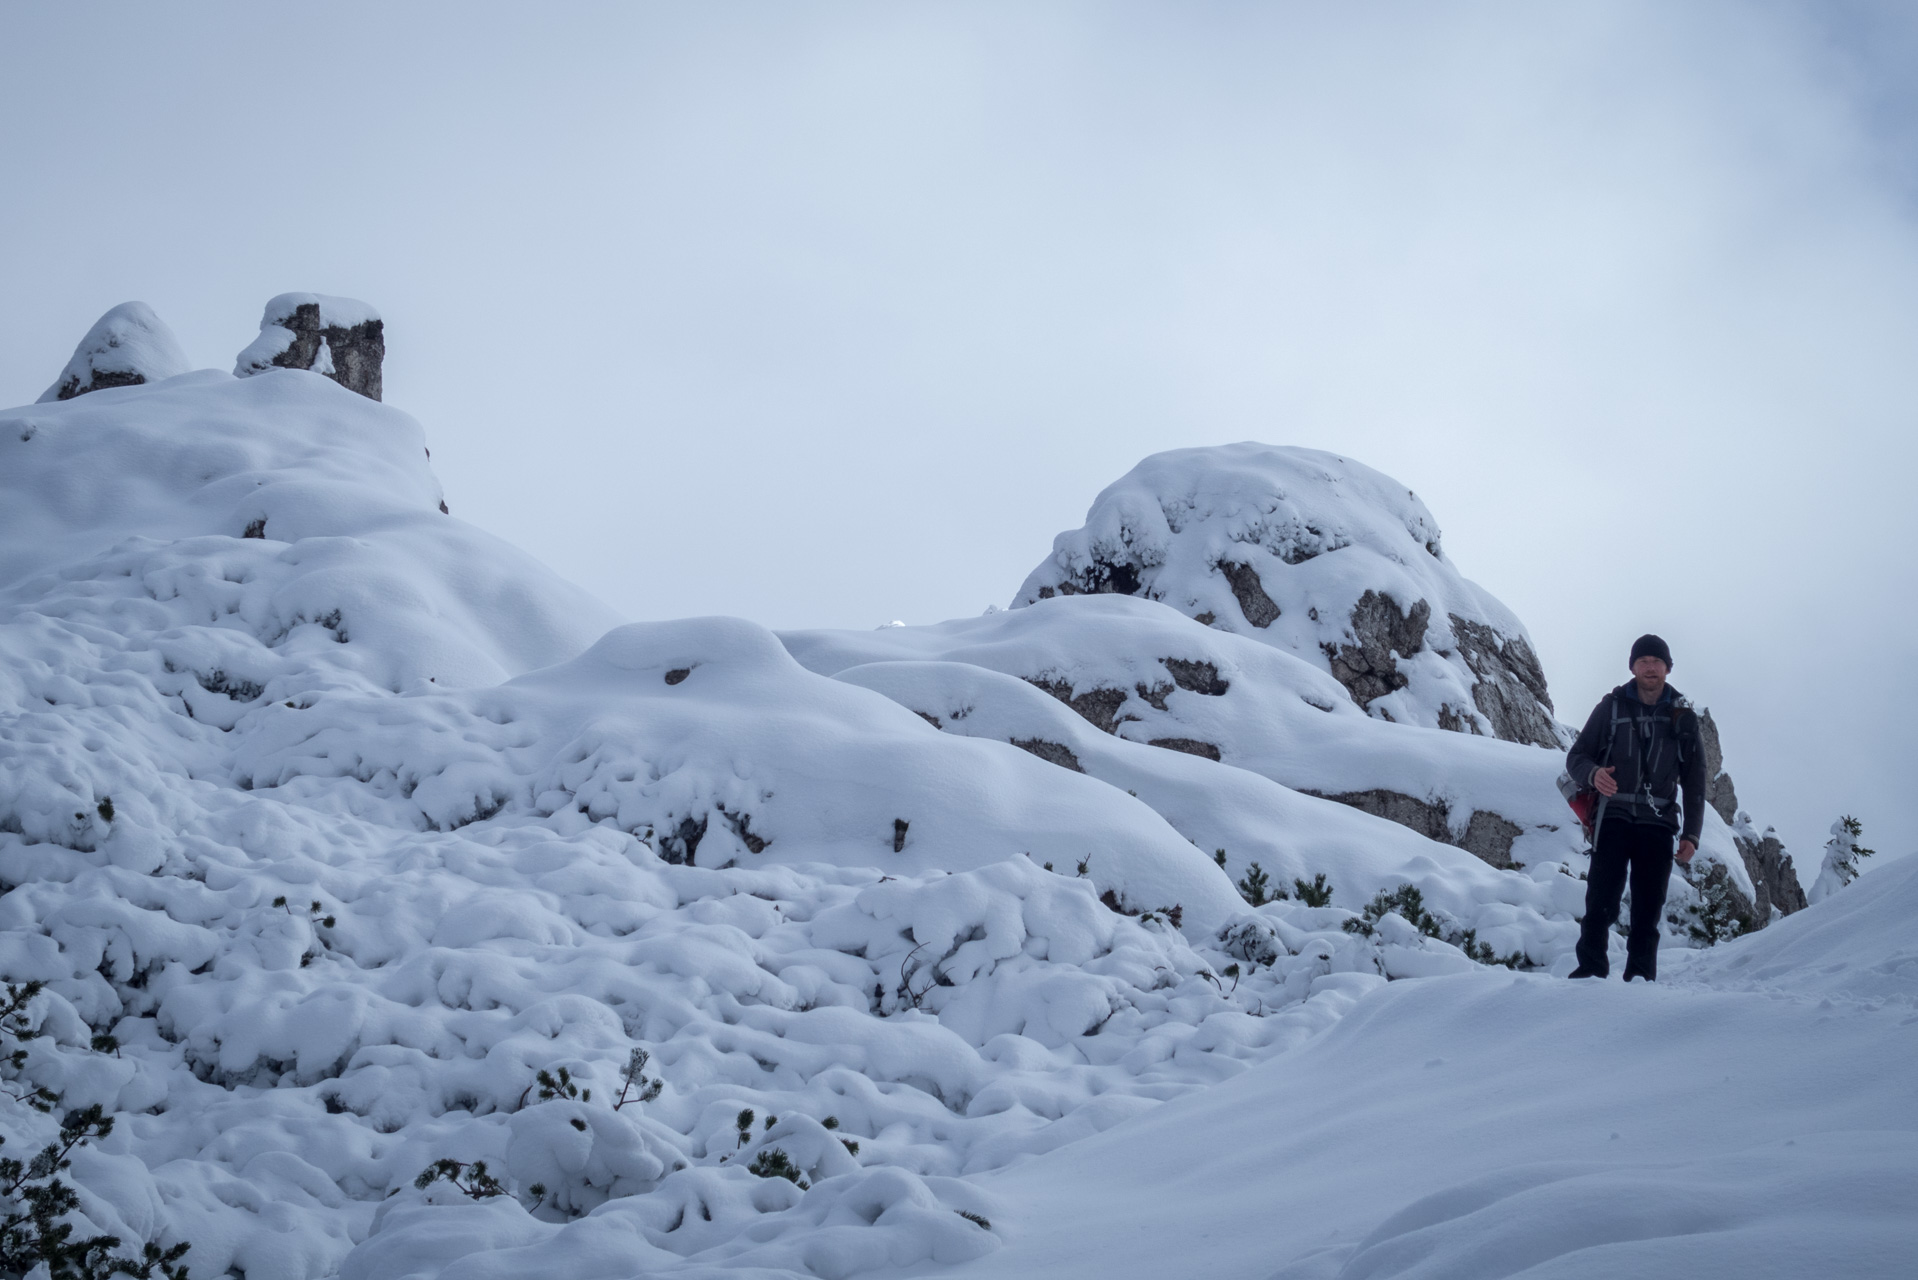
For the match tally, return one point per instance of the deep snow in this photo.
(1750, 1116)
(347, 819)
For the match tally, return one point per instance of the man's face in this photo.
(1650, 672)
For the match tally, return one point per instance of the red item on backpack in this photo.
(1584, 802)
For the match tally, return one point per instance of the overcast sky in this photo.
(825, 315)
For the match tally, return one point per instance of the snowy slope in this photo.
(346, 821)
(1752, 1116)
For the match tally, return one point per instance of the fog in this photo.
(828, 315)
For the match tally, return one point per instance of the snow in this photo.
(1493, 1125)
(129, 342)
(348, 820)
(335, 313)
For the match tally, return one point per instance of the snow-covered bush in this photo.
(44, 1226)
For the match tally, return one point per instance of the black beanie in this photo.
(1649, 646)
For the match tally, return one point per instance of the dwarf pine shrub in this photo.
(34, 1200)
(775, 1163)
(635, 1085)
(470, 1178)
(1256, 886)
(557, 1086)
(1715, 918)
(1316, 894)
(1405, 901)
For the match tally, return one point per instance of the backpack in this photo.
(1586, 804)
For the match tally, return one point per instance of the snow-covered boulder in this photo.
(1321, 557)
(343, 338)
(126, 347)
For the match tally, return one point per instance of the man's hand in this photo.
(1685, 851)
(1603, 781)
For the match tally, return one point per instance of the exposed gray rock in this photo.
(1100, 707)
(1100, 577)
(1050, 752)
(126, 347)
(1487, 836)
(1367, 668)
(1719, 792)
(1154, 695)
(1196, 677)
(1191, 746)
(1773, 877)
(1258, 607)
(1510, 692)
(339, 337)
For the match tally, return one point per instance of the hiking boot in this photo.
(1629, 975)
(1584, 972)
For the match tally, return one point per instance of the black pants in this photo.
(1646, 853)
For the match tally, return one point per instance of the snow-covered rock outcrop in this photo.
(343, 338)
(126, 347)
(1321, 557)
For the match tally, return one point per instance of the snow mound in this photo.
(1831, 1204)
(1321, 557)
(1495, 1125)
(271, 506)
(126, 347)
(1854, 944)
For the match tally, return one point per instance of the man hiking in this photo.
(1638, 750)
